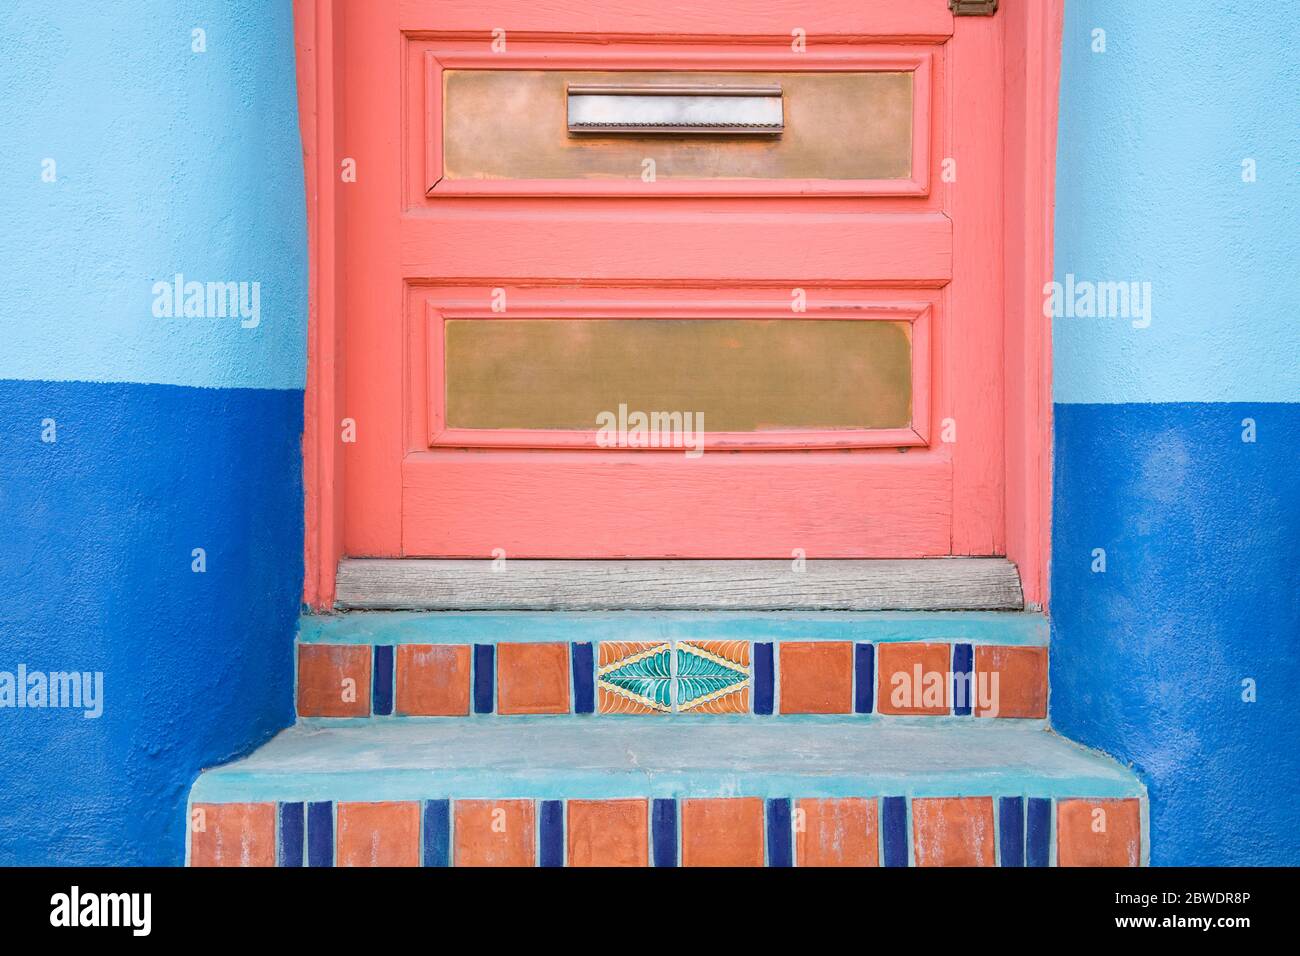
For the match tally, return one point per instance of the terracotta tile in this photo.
(712, 677)
(609, 833)
(379, 834)
(1099, 833)
(913, 678)
(722, 832)
(1021, 688)
(494, 833)
(815, 677)
(634, 677)
(334, 680)
(953, 831)
(836, 833)
(532, 678)
(433, 680)
(232, 834)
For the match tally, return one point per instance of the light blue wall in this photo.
(167, 161)
(171, 434)
(1200, 529)
(1152, 136)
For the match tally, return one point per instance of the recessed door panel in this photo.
(516, 124)
(694, 119)
(735, 375)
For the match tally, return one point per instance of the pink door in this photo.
(708, 279)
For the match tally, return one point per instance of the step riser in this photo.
(417, 678)
(736, 831)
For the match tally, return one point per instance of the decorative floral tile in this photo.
(713, 677)
(634, 678)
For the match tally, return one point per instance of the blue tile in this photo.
(1011, 830)
(437, 833)
(1039, 831)
(963, 672)
(291, 834)
(552, 833)
(484, 678)
(584, 679)
(382, 684)
(864, 677)
(663, 829)
(893, 812)
(763, 679)
(779, 850)
(320, 833)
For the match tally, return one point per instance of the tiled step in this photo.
(640, 790)
(773, 664)
(921, 584)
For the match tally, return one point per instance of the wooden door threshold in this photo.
(920, 584)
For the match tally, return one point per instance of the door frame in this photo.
(1029, 34)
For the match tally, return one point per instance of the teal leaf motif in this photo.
(700, 676)
(649, 688)
(652, 665)
(650, 678)
(693, 688)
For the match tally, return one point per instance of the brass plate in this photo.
(513, 124)
(744, 375)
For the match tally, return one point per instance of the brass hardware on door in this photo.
(973, 8)
(825, 127)
(642, 109)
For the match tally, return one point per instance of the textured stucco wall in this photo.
(167, 161)
(181, 433)
(1201, 530)
(170, 433)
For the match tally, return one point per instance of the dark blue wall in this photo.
(95, 570)
(1201, 590)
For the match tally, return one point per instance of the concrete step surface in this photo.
(735, 790)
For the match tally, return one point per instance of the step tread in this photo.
(652, 757)
(1027, 628)
(922, 584)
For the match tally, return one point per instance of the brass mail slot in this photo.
(642, 109)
